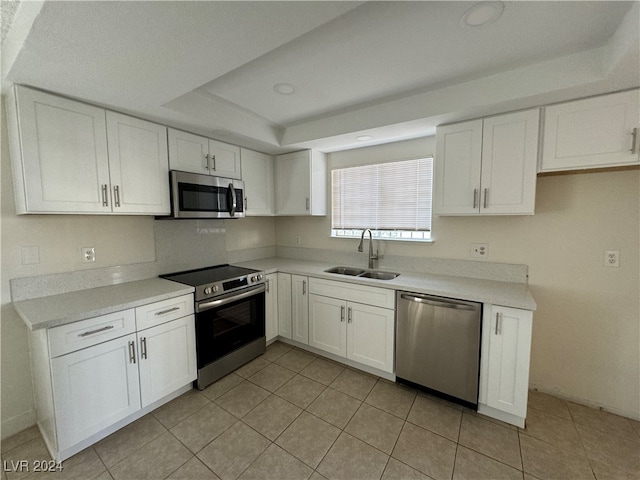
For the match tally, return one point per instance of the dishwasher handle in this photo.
(437, 303)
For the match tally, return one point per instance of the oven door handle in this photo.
(202, 306)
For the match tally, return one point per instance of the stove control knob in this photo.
(253, 278)
(260, 277)
(207, 290)
(214, 289)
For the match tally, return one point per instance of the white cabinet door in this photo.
(188, 152)
(457, 168)
(138, 164)
(224, 160)
(506, 348)
(94, 388)
(370, 336)
(271, 307)
(301, 183)
(327, 324)
(300, 308)
(591, 133)
(59, 154)
(284, 305)
(509, 163)
(258, 177)
(487, 167)
(167, 356)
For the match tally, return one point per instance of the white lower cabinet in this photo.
(271, 307)
(300, 308)
(327, 324)
(88, 383)
(504, 364)
(167, 356)
(360, 332)
(284, 305)
(94, 388)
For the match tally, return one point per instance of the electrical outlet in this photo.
(611, 258)
(88, 254)
(479, 250)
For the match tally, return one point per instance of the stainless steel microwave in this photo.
(194, 195)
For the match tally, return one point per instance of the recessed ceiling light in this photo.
(364, 138)
(481, 14)
(285, 88)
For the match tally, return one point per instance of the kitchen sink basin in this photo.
(346, 271)
(357, 272)
(379, 275)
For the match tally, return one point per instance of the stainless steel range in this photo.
(230, 316)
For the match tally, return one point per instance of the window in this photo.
(392, 199)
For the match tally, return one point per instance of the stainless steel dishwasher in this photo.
(438, 345)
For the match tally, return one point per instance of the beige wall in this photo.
(586, 334)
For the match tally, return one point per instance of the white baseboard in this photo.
(18, 423)
(589, 403)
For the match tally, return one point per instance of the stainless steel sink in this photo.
(357, 272)
(345, 271)
(379, 275)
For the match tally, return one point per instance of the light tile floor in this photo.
(292, 415)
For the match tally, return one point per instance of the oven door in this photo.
(228, 323)
(203, 196)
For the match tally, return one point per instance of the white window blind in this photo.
(393, 199)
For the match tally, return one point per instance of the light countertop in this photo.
(55, 310)
(507, 294)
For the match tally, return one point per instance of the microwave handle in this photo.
(234, 205)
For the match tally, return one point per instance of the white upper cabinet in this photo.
(193, 153)
(59, 154)
(592, 133)
(138, 165)
(301, 187)
(258, 176)
(70, 157)
(487, 167)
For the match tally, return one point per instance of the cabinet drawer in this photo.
(161, 312)
(85, 333)
(379, 297)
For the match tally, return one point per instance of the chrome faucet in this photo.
(372, 257)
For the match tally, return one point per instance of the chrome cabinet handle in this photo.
(143, 347)
(304, 287)
(105, 200)
(486, 197)
(268, 286)
(213, 160)
(116, 193)
(246, 204)
(132, 352)
(206, 158)
(350, 315)
(342, 313)
(475, 198)
(307, 204)
(634, 138)
(498, 329)
(98, 330)
(168, 310)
